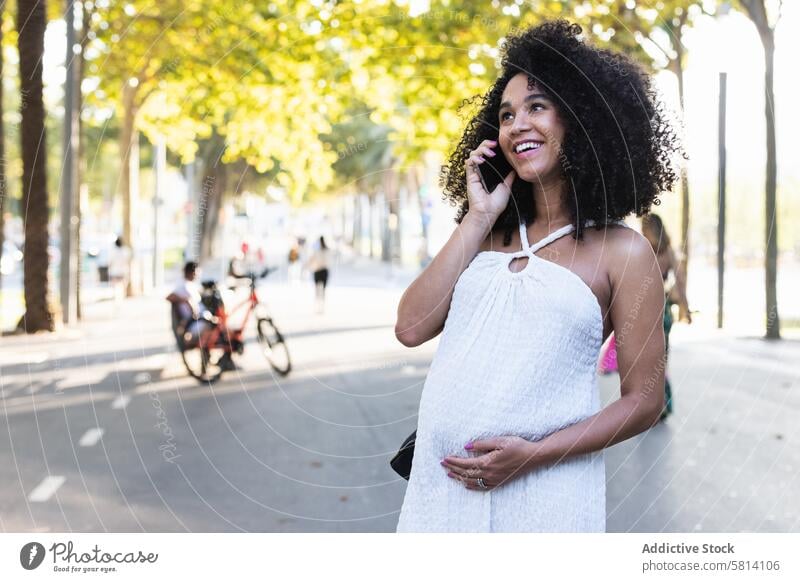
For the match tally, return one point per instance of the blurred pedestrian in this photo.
(317, 264)
(193, 318)
(675, 294)
(295, 265)
(608, 358)
(119, 268)
(239, 266)
(185, 298)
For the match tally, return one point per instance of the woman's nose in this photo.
(521, 123)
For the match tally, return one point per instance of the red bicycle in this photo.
(210, 353)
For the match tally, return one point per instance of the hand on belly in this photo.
(500, 460)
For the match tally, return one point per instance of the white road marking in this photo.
(120, 402)
(91, 437)
(24, 404)
(24, 358)
(156, 360)
(82, 379)
(46, 488)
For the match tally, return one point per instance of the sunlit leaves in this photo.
(272, 78)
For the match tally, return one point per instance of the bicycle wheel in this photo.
(203, 364)
(273, 346)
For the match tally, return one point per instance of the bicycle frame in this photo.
(234, 334)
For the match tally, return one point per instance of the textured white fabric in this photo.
(517, 356)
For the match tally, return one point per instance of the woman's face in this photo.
(531, 132)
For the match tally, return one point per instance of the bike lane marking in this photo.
(120, 402)
(91, 437)
(46, 488)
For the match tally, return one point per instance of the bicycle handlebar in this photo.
(252, 276)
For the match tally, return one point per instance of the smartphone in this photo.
(494, 170)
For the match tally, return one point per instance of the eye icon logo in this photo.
(31, 555)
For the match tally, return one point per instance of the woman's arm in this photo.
(425, 304)
(636, 311)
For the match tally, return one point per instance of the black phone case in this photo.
(494, 170)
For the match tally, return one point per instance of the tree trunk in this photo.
(683, 265)
(415, 182)
(390, 227)
(212, 182)
(771, 224)
(757, 12)
(212, 190)
(31, 23)
(371, 218)
(129, 164)
(3, 190)
(357, 218)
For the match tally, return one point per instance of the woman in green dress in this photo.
(654, 231)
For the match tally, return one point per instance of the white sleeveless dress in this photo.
(517, 356)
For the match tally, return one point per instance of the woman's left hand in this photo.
(684, 314)
(504, 458)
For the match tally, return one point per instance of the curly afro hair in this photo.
(619, 150)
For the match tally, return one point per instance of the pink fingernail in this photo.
(468, 446)
(442, 463)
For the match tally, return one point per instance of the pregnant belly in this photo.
(532, 412)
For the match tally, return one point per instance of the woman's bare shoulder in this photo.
(617, 236)
(627, 253)
(615, 232)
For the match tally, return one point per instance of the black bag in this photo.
(401, 462)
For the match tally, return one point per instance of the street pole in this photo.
(69, 262)
(191, 201)
(159, 165)
(723, 84)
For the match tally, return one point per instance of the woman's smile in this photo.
(526, 149)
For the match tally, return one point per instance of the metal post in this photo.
(68, 267)
(723, 81)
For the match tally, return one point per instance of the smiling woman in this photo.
(511, 432)
(617, 148)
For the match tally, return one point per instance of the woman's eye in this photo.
(505, 115)
(537, 107)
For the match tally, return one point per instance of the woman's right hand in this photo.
(481, 202)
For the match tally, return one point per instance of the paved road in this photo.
(100, 429)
